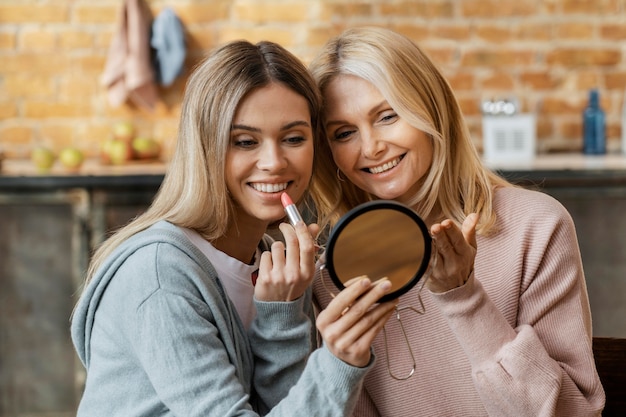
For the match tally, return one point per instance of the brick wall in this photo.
(548, 54)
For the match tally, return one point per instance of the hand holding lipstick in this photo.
(286, 271)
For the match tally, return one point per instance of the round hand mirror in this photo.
(379, 239)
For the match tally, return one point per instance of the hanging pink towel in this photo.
(128, 73)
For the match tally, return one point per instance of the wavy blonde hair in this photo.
(457, 181)
(194, 193)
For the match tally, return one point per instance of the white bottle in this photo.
(624, 125)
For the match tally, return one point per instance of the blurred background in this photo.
(543, 55)
(547, 53)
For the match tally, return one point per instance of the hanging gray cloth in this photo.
(168, 42)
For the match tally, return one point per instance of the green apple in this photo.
(124, 131)
(146, 148)
(71, 158)
(105, 151)
(43, 158)
(119, 151)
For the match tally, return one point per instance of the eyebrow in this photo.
(375, 109)
(285, 127)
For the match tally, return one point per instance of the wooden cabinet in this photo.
(48, 228)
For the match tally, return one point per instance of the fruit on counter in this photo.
(146, 148)
(124, 131)
(43, 158)
(118, 151)
(71, 158)
(105, 150)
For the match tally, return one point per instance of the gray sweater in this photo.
(159, 337)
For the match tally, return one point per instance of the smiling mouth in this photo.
(384, 167)
(269, 188)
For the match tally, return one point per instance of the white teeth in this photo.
(385, 167)
(269, 188)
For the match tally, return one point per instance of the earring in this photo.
(339, 175)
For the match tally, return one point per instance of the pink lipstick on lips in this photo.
(290, 209)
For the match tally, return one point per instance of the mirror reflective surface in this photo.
(379, 239)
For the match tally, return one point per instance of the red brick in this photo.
(461, 81)
(21, 85)
(612, 31)
(494, 33)
(502, 8)
(575, 30)
(615, 80)
(497, 58)
(75, 39)
(264, 12)
(534, 31)
(55, 109)
(539, 80)
(8, 109)
(454, 32)
(498, 81)
(416, 32)
(7, 40)
(202, 12)
(422, 9)
(572, 57)
(38, 40)
(201, 38)
(33, 13)
(589, 7)
(96, 13)
(338, 11)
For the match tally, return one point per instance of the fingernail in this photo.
(386, 285)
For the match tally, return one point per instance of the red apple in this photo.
(43, 158)
(71, 158)
(146, 148)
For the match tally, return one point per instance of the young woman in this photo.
(190, 310)
(507, 326)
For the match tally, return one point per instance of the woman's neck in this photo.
(240, 241)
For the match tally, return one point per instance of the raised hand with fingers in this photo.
(287, 270)
(456, 250)
(353, 318)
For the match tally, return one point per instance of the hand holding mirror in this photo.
(379, 239)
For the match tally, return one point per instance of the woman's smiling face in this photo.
(376, 149)
(271, 152)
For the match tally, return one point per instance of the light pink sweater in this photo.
(515, 340)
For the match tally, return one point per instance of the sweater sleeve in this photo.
(280, 338)
(179, 342)
(542, 366)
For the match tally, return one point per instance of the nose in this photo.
(271, 158)
(371, 145)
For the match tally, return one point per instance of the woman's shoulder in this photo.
(525, 203)
(530, 213)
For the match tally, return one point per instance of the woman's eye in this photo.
(387, 117)
(295, 140)
(341, 135)
(244, 143)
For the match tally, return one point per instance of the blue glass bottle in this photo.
(594, 139)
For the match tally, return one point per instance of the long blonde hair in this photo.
(194, 193)
(457, 181)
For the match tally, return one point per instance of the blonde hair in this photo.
(457, 181)
(194, 193)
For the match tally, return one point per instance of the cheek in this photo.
(343, 155)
